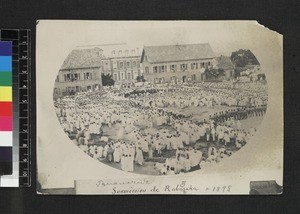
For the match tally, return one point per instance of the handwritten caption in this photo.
(144, 186)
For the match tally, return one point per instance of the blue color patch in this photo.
(5, 63)
(5, 48)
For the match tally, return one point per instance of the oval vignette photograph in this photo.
(162, 109)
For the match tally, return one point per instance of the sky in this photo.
(224, 37)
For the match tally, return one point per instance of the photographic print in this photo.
(159, 107)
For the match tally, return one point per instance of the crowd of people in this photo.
(148, 126)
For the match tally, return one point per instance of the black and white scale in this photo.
(21, 71)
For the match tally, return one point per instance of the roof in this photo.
(224, 62)
(83, 58)
(171, 53)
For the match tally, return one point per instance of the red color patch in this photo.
(6, 109)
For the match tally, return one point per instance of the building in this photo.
(224, 63)
(176, 63)
(80, 72)
(122, 62)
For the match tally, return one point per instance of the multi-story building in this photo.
(80, 72)
(122, 63)
(176, 63)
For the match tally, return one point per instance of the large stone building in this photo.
(122, 62)
(176, 63)
(80, 72)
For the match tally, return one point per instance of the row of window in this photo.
(75, 76)
(78, 89)
(182, 67)
(123, 76)
(128, 64)
(175, 79)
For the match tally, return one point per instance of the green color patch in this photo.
(5, 78)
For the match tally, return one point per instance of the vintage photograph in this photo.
(160, 110)
(159, 99)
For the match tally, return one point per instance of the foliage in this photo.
(140, 79)
(213, 74)
(107, 80)
(242, 58)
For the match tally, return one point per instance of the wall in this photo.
(62, 87)
(125, 72)
(195, 75)
(229, 74)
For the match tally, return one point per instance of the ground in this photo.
(199, 113)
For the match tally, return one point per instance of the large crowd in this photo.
(149, 126)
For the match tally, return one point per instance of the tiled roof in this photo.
(171, 53)
(83, 58)
(224, 62)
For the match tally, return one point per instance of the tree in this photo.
(107, 80)
(140, 79)
(214, 74)
(242, 58)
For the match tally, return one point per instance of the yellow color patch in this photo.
(5, 93)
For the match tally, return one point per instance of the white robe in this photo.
(117, 155)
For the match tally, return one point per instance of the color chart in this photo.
(14, 107)
(6, 110)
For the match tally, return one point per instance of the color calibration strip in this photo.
(20, 39)
(6, 108)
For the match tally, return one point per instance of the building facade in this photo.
(80, 72)
(176, 63)
(122, 64)
(224, 63)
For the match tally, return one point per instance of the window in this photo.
(162, 68)
(156, 80)
(68, 77)
(208, 63)
(114, 64)
(146, 58)
(76, 77)
(115, 77)
(122, 76)
(183, 67)
(121, 65)
(128, 64)
(172, 68)
(88, 76)
(155, 69)
(57, 78)
(202, 64)
(194, 77)
(134, 64)
(128, 76)
(194, 66)
(147, 70)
